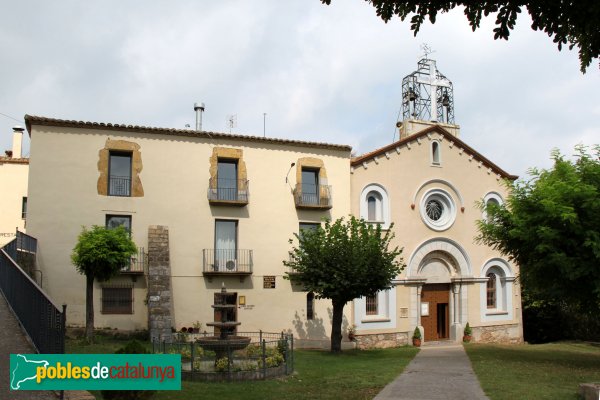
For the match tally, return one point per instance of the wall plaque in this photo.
(269, 282)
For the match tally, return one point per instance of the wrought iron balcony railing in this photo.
(138, 263)
(235, 192)
(226, 262)
(312, 196)
(119, 186)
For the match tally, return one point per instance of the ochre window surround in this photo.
(137, 190)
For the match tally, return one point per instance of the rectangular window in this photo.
(310, 186)
(371, 305)
(24, 208)
(117, 300)
(225, 245)
(308, 225)
(227, 181)
(112, 221)
(119, 174)
(310, 306)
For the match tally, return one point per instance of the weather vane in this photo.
(426, 49)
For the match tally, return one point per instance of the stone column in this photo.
(419, 325)
(159, 284)
(456, 330)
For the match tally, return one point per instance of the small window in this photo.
(435, 153)
(24, 208)
(371, 305)
(310, 186)
(313, 226)
(310, 306)
(227, 180)
(491, 290)
(119, 174)
(113, 221)
(117, 300)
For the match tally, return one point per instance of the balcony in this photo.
(312, 197)
(138, 264)
(218, 262)
(228, 192)
(119, 186)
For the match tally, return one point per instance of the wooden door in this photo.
(436, 324)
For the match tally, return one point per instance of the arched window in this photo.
(493, 199)
(491, 290)
(435, 153)
(374, 205)
(310, 305)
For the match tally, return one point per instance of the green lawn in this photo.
(544, 371)
(319, 375)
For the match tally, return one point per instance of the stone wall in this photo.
(381, 340)
(505, 334)
(160, 297)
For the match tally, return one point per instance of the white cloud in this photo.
(327, 73)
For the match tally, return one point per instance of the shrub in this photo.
(132, 347)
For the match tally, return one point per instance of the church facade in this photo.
(430, 186)
(210, 209)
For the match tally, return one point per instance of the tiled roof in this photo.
(37, 120)
(10, 160)
(448, 136)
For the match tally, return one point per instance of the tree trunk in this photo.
(336, 326)
(89, 308)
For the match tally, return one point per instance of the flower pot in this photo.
(351, 337)
(467, 338)
(416, 342)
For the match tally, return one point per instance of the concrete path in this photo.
(439, 371)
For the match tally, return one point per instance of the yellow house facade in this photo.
(206, 209)
(14, 169)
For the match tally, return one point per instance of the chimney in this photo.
(17, 141)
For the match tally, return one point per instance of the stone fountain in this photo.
(225, 342)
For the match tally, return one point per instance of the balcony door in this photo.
(227, 183)
(225, 245)
(310, 186)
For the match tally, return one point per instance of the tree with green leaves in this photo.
(100, 253)
(567, 22)
(342, 261)
(550, 226)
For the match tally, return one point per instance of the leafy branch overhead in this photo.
(567, 22)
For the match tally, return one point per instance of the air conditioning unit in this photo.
(231, 265)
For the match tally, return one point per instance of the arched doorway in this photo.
(438, 267)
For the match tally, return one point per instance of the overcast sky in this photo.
(320, 73)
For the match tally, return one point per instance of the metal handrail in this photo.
(237, 190)
(119, 186)
(41, 318)
(310, 195)
(232, 261)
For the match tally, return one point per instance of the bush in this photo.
(132, 347)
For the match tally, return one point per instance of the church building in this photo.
(208, 208)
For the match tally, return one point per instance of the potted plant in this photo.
(197, 326)
(416, 337)
(467, 336)
(352, 332)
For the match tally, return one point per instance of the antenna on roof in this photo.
(232, 121)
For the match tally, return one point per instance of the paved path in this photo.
(438, 372)
(13, 340)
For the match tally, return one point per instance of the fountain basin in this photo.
(215, 343)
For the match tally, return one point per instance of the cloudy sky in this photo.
(322, 73)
